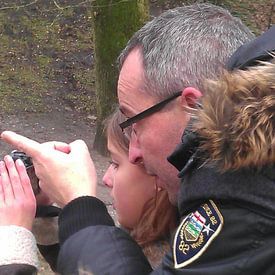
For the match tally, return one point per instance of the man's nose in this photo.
(108, 178)
(135, 155)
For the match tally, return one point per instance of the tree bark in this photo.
(115, 21)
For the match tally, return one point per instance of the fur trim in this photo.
(237, 121)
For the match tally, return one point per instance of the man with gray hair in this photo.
(176, 50)
(225, 218)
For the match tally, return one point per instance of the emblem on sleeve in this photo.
(195, 233)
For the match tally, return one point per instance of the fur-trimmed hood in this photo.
(237, 119)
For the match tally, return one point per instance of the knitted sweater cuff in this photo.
(18, 246)
(81, 213)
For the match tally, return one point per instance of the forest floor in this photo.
(46, 76)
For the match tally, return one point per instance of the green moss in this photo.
(85, 78)
(41, 48)
(43, 61)
(83, 101)
(21, 89)
(114, 23)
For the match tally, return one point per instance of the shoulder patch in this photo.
(195, 233)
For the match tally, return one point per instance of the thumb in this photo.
(77, 147)
(59, 146)
(62, 147)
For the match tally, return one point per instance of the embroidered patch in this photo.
(195, 233)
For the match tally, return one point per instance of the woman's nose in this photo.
(108, 178)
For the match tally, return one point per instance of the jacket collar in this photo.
(253, 188)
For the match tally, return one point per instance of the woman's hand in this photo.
(17, 200)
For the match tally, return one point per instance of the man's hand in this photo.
(65, 171)
(17, 201)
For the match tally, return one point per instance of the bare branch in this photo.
(19, 7)
(60, 8)
(86, 2)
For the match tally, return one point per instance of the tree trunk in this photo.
(115, 21)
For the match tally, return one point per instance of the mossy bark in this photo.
(115, 21)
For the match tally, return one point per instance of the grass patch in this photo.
(21, 89)
(42, 47)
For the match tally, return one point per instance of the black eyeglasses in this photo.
(155, 108)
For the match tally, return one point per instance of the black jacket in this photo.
(244, 245)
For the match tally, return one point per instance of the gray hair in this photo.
(185, 45)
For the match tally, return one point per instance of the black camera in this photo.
(29, 167)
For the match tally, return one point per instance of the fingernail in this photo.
(2, 133)
(8, 158)
(20, 162)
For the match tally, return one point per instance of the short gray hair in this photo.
(185, 45)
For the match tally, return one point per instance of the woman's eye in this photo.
(113, 164)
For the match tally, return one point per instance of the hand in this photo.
(17, 201)
(41, 197)
(64, 174)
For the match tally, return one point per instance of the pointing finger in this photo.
(28, 146)
(78, 146)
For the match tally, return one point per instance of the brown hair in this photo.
(114, 132)
(157, 221)
(159, 216)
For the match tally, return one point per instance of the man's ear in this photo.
(190, 96)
